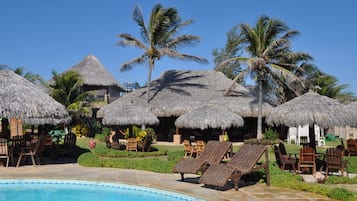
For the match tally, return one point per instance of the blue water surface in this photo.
(73, 190)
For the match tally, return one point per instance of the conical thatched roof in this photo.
(94, 73)
(19, 98)
(177, 92)
(130, 115)
(311, 108)
(209, 117)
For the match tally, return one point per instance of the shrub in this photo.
(270, 134)
(80, 130)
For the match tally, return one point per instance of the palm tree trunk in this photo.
(260, 109)
(151, 67)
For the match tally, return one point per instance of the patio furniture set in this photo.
(21, 147)
(309, 161)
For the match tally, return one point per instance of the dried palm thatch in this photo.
(94, 73)
(19, 98)
(209, 117)
(130, 115)
(311, 108)
(177, 92)
(352, 107)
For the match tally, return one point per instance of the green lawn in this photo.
(164, 157)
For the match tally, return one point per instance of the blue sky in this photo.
(44, 35)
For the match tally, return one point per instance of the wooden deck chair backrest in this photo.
(221, 150)
(209, 150)
(307, 154)
(282, 149)
(70, 139)
(352, 145)
(333, 156)
(132, 144)
(247, 157)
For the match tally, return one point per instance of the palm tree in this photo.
(328, 85)
(232, 49)
(159, 38)
(271, 60)
(66, 89)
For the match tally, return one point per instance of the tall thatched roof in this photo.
(129, 115)
(311, 108)
(94, 73)
(19, 98)
(177, 92)
(209, 117)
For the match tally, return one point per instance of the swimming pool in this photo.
(74, 190)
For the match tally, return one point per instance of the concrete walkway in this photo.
(170, 182)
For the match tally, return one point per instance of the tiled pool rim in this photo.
(102, 184)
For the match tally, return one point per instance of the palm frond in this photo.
(129, 64)
(182, 41)
(129, 40)
(138, 17)
(176, 55)
(241, 75)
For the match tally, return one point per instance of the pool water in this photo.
(73, 190)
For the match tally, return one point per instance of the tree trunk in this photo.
(151, 67)
(260, 109)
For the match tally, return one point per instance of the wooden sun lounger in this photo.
(213, 153)
(243, 162)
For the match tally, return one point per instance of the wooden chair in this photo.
(351, 147)
(132, 144)
(17, 142)
(5, 152)
(68, 146)
(334, 161)
(34, 151)
(307, 159)
(284, 159)
(188, 149)
(213, 153)
(198, 149)
(244, 162)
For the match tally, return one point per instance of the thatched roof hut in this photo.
(311, 108)
(19, 98)
(130, 115)
(209, 117)
(177, 92)
(94, 73)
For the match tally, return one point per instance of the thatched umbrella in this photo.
(176, 92)
(129, 115)
(209, 117)
(352, 107)
(311, 108)
(19, 98)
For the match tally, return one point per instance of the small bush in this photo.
(270, 134)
